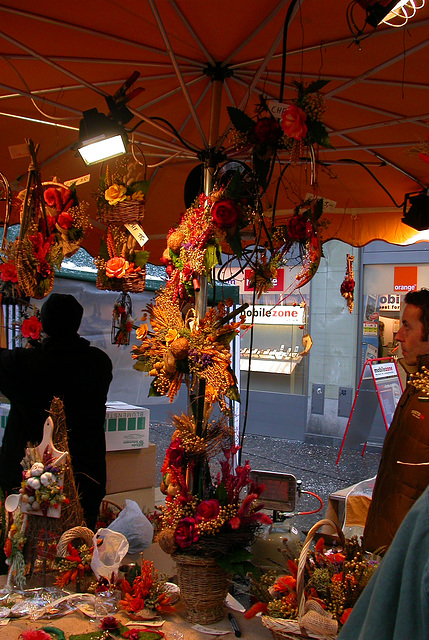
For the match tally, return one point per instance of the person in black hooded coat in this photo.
(67, 367)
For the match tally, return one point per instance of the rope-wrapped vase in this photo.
(313, 621)
(203, 588)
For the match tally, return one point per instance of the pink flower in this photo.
(293, 122)
(31, 328)
(186, 532)
(8, 272)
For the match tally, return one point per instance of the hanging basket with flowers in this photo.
(121, 193)
(121, 263)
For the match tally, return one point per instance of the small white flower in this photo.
(47, 478)
(34, 483)
(37, 469)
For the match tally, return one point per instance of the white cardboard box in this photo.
(126, 426)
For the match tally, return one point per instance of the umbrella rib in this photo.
(261, 26)
(27, 94)
(379, 67)
(193, 33)
(56, 66)
(177, 70)
(92, 32)
(50, 124)
(72, 87)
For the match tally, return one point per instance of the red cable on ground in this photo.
(308, 513)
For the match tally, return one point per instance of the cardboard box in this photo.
(129, 470)
(145, 498)
(126, 426)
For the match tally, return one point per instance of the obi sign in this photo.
(390, 302)
(267, 314)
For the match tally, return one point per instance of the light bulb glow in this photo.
(403, 11)
(102, 148)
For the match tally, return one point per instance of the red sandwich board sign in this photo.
(379, 387)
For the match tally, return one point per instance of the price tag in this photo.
(76, 181)
(137, 232)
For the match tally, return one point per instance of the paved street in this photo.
(315, 465)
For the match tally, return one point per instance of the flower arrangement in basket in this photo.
(175, 349)
(121, 262)
(121, 192)
(319, 591)
(67, 218)
(74, 567)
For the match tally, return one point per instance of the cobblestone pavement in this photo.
(314, 465)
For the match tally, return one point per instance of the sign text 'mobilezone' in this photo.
(267, 314)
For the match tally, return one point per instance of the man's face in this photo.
(410, 335)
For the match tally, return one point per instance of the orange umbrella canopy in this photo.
(195, 59)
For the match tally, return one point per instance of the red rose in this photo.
(109, 624)
(297, 227)
(65, 220)
(45, 269)
(31, 328)
(8, 272)
(208, 509)
(345, 615)
(175, 454)
(267, 131)
(52, 198)
(186, 533)
(293, 122)
(225, 213)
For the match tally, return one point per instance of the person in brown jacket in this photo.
(403, 474)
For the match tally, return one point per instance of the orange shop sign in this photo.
(405, 279)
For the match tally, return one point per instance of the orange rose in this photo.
(116, 267)
(293, 122)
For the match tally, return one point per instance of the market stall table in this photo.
(77, 623)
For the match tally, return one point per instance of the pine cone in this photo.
(179, 348)
(174, 241)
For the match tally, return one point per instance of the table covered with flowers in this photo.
(76, 623)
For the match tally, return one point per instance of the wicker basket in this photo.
(134, 282)
(28, 283)
(77, 533)
(318, 624)
(127, 212)
(203, 588)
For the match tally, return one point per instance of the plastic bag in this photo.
(134, 525)
(110, 547)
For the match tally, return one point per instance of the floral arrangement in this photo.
(8, 273)
(41, 485)
(31, 328)
(194, 246)
(126, 183)
(222, 520)
(144, 591)
(176, 348)
(333, 581)
(422, 150)
(120, 257)
(75, 566)
(300, 125)
(67, 218)
(122, 324)
(347, 288)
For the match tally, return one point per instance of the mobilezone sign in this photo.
(269, 314)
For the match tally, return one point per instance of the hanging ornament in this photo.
(348, 285)
(121, 320)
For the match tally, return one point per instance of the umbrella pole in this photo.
(202, 295)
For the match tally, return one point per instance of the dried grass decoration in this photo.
(319, 591)
(174, 349)
(121, 262)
